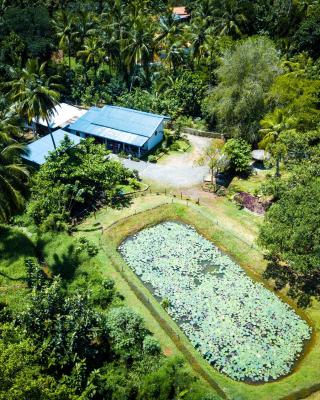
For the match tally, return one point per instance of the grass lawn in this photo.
(129, 189)
(185, 147)
(118, 224)
(15, 247)
(315, 396)
(252, 184)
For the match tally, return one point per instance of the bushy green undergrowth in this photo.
(65, 333)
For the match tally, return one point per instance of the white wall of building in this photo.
(155, 139)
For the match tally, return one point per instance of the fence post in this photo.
(181, 195)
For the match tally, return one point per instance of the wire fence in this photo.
(188, 200)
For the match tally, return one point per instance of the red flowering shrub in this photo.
(252, 203)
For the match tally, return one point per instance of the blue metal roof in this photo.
(112, 134)
(39, 150)
(124, 120)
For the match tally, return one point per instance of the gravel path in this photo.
(178, 176)
(180, 171)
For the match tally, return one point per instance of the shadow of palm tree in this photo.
(66, 264)
(14, 244)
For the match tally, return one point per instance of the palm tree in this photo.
(175, 48)
(9, 123)
(64, 24)
(93, 52)
(272, 126)
(201, 27)
(230, 19)
(139, 46)
(34, 95)
(84, 26)
(14, 177)
(115, 29)
(198, 34)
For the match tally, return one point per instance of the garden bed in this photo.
(252, 203)
(240, 327)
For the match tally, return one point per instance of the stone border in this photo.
(208, 134)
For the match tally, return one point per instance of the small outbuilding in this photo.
(260, 155)
(121, 129)
(41, 148)
(180, 13)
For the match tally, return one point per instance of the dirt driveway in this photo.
(178, 171)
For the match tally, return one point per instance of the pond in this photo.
(243, 329)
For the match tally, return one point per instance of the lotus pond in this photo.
(241, 328)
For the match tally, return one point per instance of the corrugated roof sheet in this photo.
(111, 134)
(64, 115)
(39, 150)
(120, 122)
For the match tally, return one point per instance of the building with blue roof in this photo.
(121, 129)
(41, 148)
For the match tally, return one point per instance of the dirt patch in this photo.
(168, 352)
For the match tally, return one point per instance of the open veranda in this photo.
(251, 342)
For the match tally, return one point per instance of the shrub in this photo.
(151, 345)
(252, 203)
(126, 331)
(152, 159)
(35, 274)
(87, 246)
(238, 152)
(175, 147)
(165, 303)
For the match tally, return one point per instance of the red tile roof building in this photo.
(181, 12)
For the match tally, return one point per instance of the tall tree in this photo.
(66, 30)
(272, 125)
(237, 104)
(291, 234)
(34, 95)
(14, 177)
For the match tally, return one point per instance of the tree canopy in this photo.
(75, 180)
(245, 76)
(291, 235)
